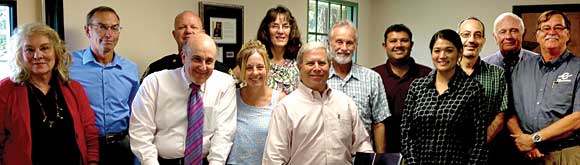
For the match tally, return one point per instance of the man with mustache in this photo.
(363, 85)
(472, 33)
(397, 74)
(546, 92)
(110, 81)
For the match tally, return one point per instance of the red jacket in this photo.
(15, 139)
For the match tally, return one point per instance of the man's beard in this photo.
(341, 59)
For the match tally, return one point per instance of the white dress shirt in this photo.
(158, 122)
(312, 128)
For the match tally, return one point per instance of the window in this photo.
(322, 14)
(7, 25)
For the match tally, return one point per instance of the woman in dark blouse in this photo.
(45, 118)
(443, 120)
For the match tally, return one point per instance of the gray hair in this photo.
(311, 46)
(508, 14)
(343, 23)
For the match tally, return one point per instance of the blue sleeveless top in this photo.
(251, 132)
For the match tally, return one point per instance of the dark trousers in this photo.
(502, 150)
(115, 151)
(178, 161)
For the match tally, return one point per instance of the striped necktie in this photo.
(194, 139)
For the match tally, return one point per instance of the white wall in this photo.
(424, 18)
(147, 24)
(28, 11)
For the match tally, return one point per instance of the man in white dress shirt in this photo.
(159, 119)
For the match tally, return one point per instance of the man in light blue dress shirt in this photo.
(110, 82)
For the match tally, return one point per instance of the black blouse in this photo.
(52, 129)
(444, 129)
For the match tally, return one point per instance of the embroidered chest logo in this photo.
(565, 77)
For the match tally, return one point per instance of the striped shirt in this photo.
(365, 87)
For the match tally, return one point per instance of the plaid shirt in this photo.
(494, 87)
(444, 129)
(365, 87)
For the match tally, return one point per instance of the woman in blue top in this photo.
(255, 101)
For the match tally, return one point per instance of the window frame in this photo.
(13, 17)
(354, 19)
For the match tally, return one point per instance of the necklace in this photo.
(45, 118)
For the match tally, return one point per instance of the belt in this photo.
(178, 161)
(550, 146)
(113, 138)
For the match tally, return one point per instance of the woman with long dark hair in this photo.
(279, 32)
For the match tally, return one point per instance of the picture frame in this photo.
(225, 24)
(530, 14)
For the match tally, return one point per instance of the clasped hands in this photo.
(525, 144)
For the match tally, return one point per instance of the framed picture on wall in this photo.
(530, 14)
(224, 23)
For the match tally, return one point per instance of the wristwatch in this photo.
(536, 138)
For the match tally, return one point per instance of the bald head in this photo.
(186, 24)
(198, 57)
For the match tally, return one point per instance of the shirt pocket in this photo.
(342, 127)
(562, 95)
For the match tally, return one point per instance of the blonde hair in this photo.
(62, 57)
(248, 49)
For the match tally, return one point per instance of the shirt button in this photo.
(538, 103)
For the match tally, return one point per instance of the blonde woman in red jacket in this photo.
(45, 118)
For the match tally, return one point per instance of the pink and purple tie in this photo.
(194, 138)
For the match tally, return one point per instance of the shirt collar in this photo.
(556, 62)
(479, 67)
(413, 69)
(354, 72)
(312, 94)
(87, 57)
(187, 82)
(455, 79)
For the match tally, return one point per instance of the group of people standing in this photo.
(295, 103)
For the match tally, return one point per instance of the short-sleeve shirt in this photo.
(545, 92)
(365, 87)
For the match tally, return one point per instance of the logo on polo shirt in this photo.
(565, 77)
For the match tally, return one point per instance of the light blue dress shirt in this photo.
(110, 88)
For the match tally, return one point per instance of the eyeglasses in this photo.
(284, 27)
(104, 28)
(469, 34)
(557, 28)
